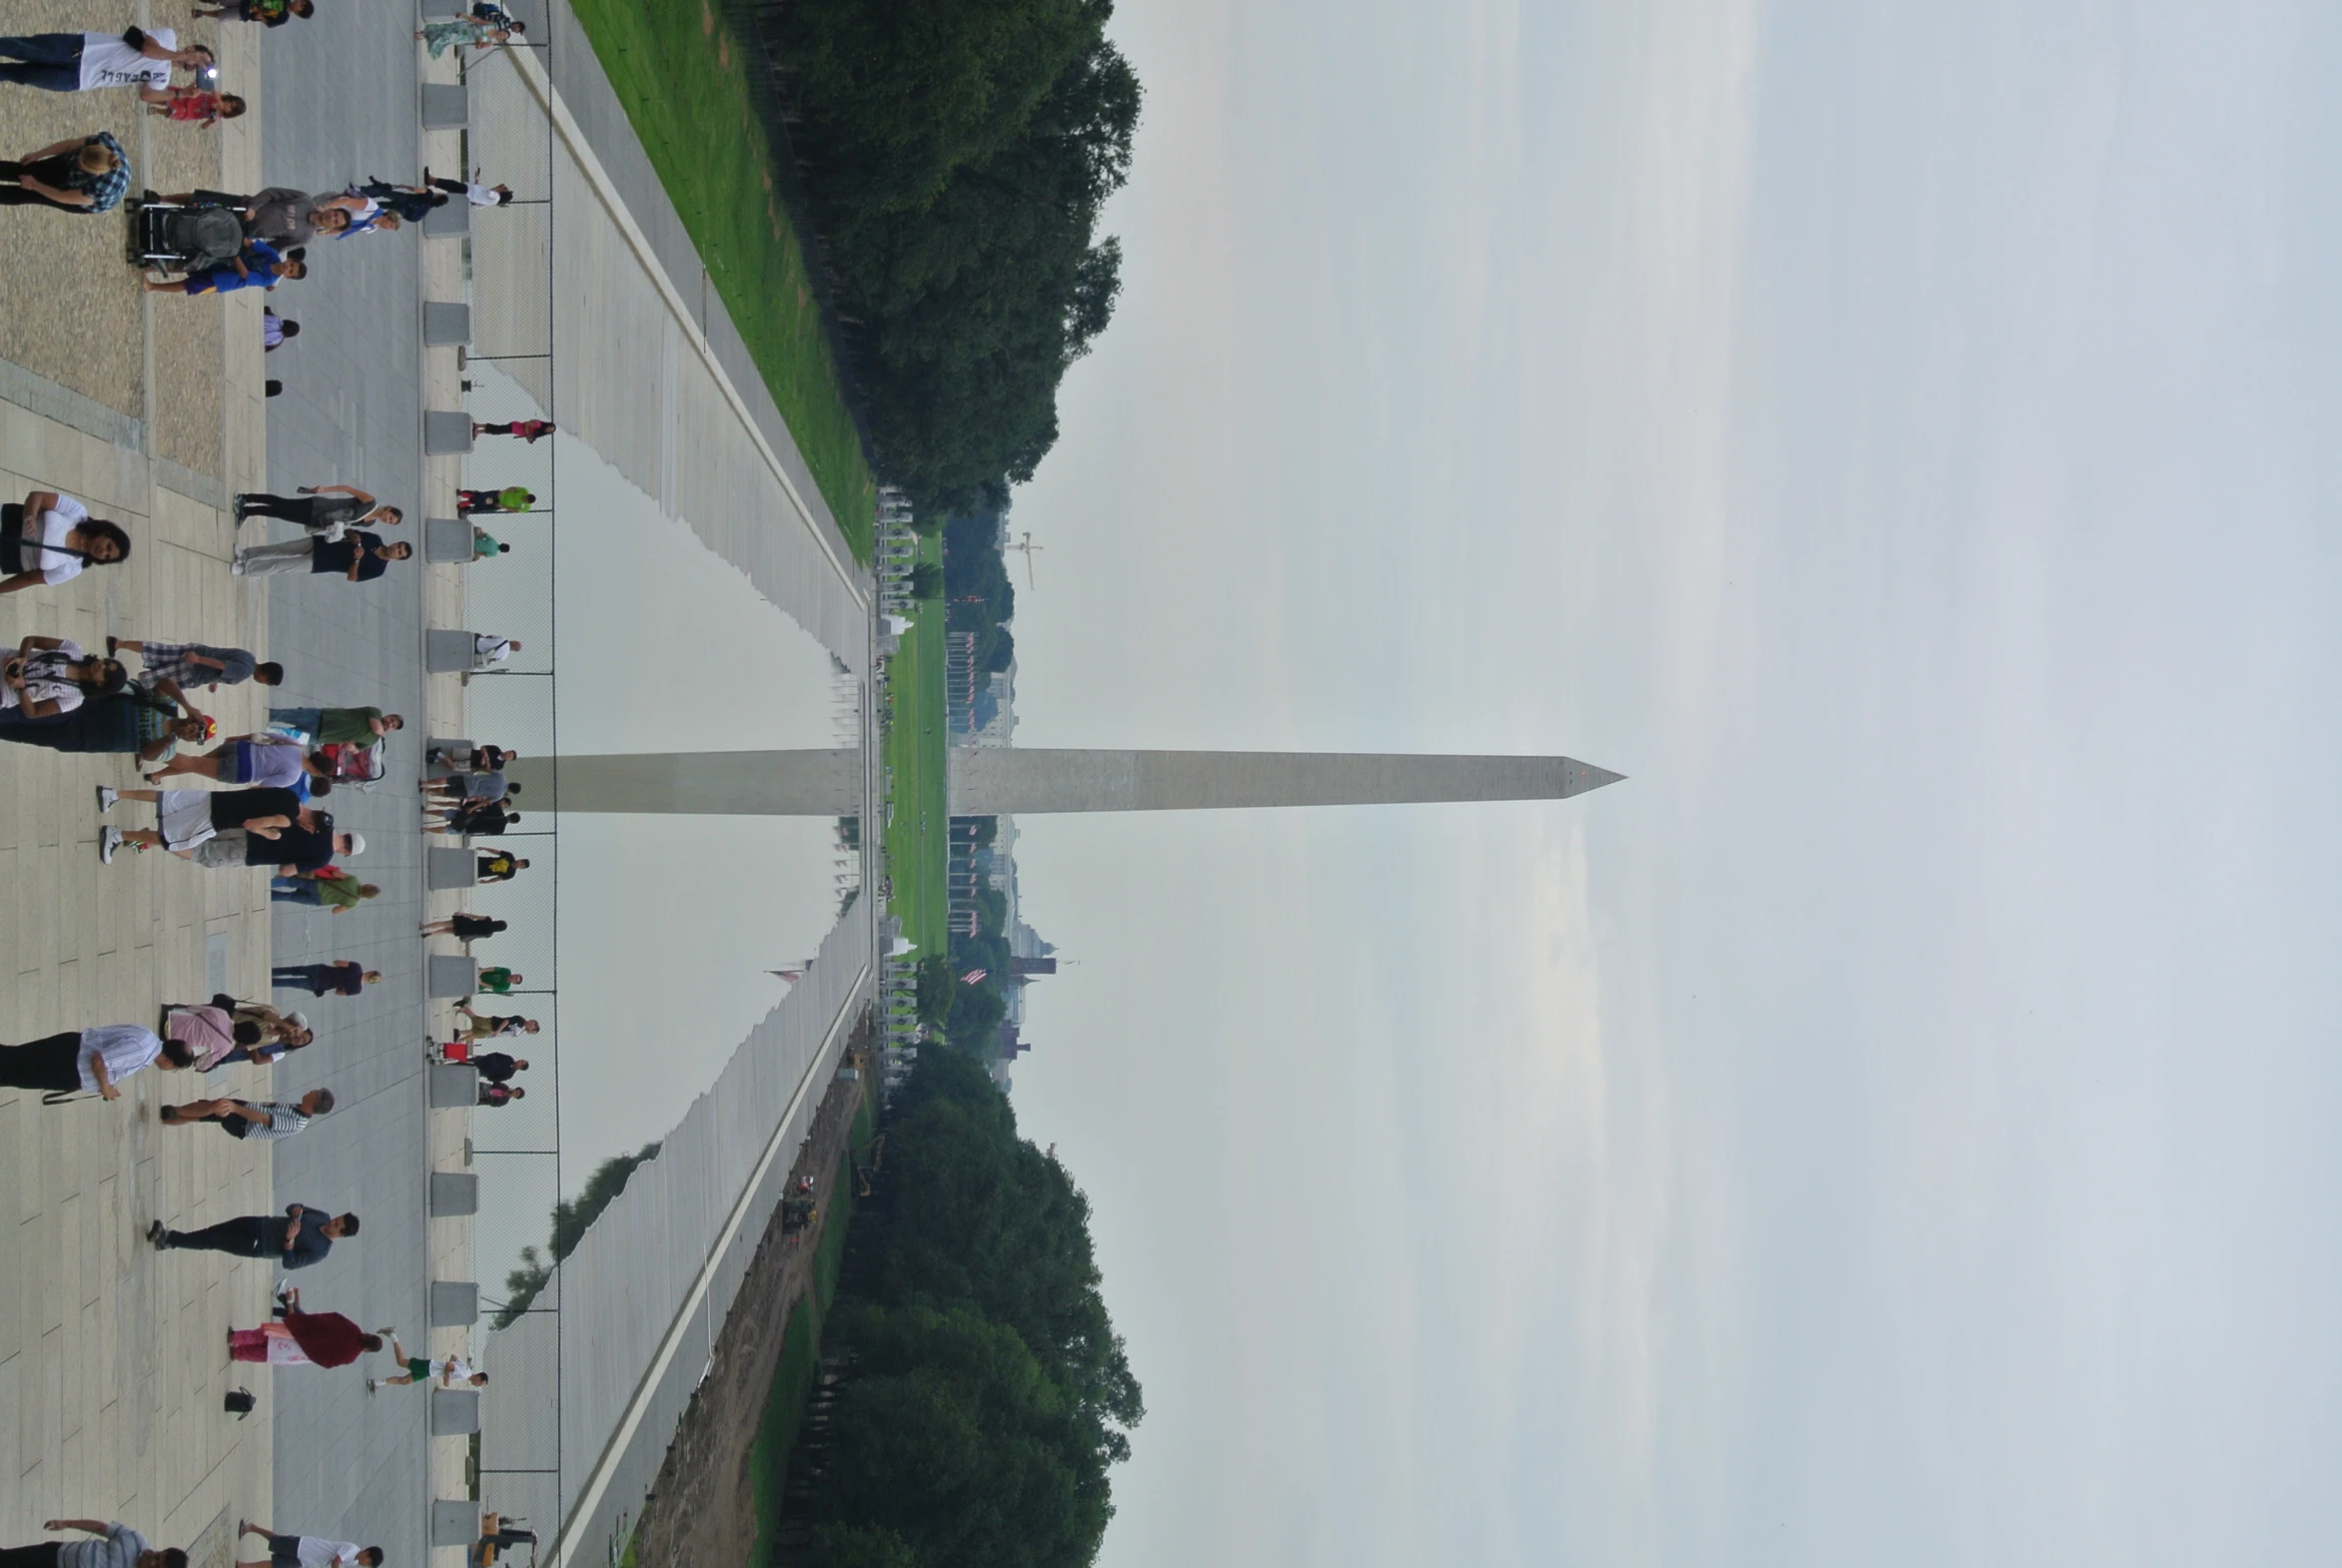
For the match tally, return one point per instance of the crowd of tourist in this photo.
(256, 799)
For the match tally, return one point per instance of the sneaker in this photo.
(107, 795)
(235, 566)
(109, 840)
(159, 1235)
(372, 1385)
(113, 647)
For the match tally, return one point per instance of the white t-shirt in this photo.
(457, 1369)
(39, 688)
(318, 1552)
(43, 545)
(106, 61)
(125, 1047)
(481, 194)
(492, 647)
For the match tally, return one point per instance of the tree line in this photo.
(977, 1392)
(957, 153)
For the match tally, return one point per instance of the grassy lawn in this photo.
(784, 1409)
(793, 1376)
(676, 70)
(917, 841)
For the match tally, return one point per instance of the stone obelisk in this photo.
(1019, 781)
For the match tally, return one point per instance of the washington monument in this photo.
(1010, 781)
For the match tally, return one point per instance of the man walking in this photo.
(117, 1546)
(88, 62)
(499, 980)
(306, 1551)
(358, 556)
(260, 1120)
(342, 978)
(295, 1238)
(192, 664)
(93, 1061)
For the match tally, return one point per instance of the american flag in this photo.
(972, 976)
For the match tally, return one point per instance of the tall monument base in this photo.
(1013, 781)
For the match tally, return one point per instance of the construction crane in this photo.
(1030, 549)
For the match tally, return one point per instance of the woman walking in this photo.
(529, 431)
(50, 537)
(461, 32)
(47, 676)
(466, 928)
(327, 511)
(301, 1338)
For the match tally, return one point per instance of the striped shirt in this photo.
(272, 1118)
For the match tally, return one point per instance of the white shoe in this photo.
(107, 795)
(109, 840)
(372, 1385)
(236, 565)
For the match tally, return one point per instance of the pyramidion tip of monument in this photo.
(1580, 777)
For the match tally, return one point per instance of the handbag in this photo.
(12, 543)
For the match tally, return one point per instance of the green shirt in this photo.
(499, 980)
(513, 498)
(346, 724)
(338, 891)
(484, 543)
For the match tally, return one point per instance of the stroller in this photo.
(183, 239)
(354, 764)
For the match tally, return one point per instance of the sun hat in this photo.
(357, 843)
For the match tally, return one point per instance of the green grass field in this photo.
(917, 839)
(677, 71)
(800, 1363)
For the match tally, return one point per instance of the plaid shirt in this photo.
(105, 189)
(176, 662)
(272, 1118)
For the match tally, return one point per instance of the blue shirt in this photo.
(259, 257)
(311, 1246)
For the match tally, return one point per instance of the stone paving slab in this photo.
(111, 1362)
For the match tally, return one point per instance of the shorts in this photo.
(184, 816)
(420, 1368)
(224, 849)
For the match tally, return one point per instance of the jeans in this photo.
(286, 890)
(49, 61)
(316, 979)
(245, 1237)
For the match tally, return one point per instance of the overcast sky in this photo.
(1896, 1125)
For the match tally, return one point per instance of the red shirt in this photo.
(194, 103)
(326, 1338)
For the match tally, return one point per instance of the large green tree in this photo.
(960, 153)
(980, 1218)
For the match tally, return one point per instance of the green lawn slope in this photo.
(677, 71)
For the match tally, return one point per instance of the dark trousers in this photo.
(49, 61)
(41, 1554)
(453, 187)
(244, 1237)
(49, 171)
(316, 979)
(51, 1064)
(284, 1550)
(292, 509)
